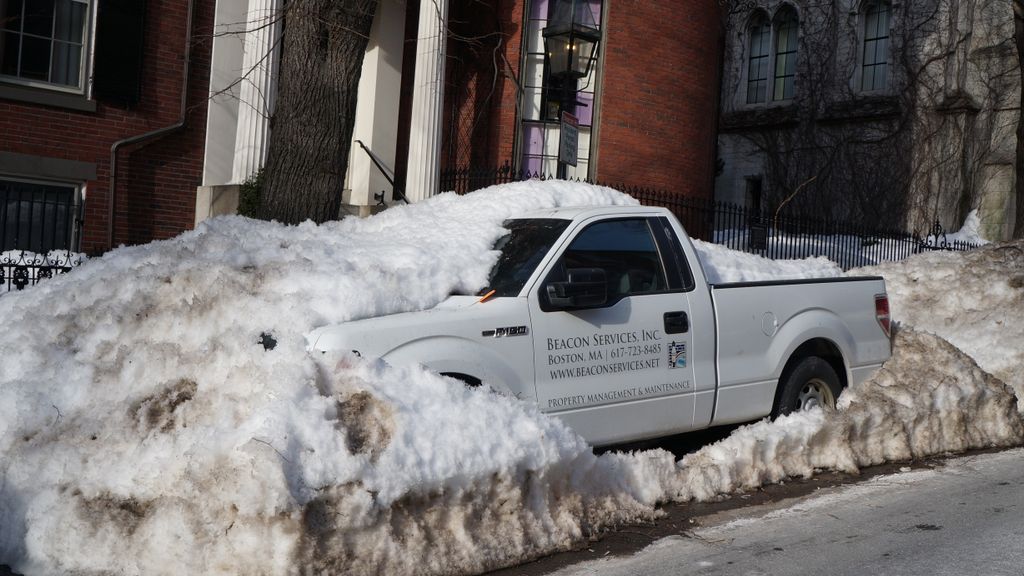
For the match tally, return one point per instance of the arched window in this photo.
(786, 28)
(760, 34)
(875, 66)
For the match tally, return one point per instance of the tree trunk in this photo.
(311, 130)
(1018, 20)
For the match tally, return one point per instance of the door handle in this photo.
(677, 322)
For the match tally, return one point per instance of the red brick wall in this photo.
(660, 95)
(157, 182)
(660, 87)
(660, 90)
(483, 58)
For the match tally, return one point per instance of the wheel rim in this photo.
(815, 393)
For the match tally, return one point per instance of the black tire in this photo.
(469, 381)
(810, 382)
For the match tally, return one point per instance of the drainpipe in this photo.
(153, 135)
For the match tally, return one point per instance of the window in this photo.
(44, 42)
(786, 25)
(625, 250)
(757, 73)
(522, 249)
(875, 65)
(541, 94)
(37, 216)
(773, 47)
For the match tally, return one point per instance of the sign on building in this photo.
(568, 139)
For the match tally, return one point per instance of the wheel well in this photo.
(824, 349)
(466, 379)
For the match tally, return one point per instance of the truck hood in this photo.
(457, 317)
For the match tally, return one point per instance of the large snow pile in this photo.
(143, 429)
(975, 300)
(929, 399)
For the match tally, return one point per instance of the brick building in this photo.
(176, 95)
(78, 77)
(450, 84)
(646, 110)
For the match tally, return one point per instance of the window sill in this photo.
(46, 97)
(761, 116)
(862, 107)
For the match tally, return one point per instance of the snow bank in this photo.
(954, 383)
(144, 431)
(975, 300)
(929, 399)
(970, 232)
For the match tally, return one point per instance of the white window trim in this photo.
(740, 97)
(856, 84)
(84, 87)
(587, 148)
(77, 200)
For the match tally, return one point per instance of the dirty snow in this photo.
(975, 300)
(143, 430)
(930, 398)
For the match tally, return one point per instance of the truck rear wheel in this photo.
(811, 382)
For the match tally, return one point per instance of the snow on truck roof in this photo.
(581, 212)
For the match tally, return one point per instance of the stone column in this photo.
(257, 87)
(422, 179)
(376, 123)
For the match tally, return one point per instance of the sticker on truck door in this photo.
(677, 355)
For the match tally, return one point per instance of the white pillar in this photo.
(376, 123)
(424, 171)
(222, 111)
(256, 91)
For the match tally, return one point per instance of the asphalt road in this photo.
(961, 516)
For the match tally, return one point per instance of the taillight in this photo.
(882, 314)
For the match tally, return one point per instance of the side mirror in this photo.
(584, 288)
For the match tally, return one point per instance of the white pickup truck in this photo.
(603, 317)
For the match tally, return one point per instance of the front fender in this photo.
(450, 354)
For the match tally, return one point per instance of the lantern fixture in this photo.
(571, 39)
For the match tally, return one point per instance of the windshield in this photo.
(522, 249)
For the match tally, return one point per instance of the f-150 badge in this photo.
(506, 331)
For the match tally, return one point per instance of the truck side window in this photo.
(522, 249)
(679, 274)
(625, 250)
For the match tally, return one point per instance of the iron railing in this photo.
(20, 269)
(741, 228)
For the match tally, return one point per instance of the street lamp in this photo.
(570, 41)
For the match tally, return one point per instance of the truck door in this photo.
(618, 370)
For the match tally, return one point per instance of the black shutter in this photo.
(117, 69)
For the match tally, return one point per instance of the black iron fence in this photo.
(753, 231)
(20, 269)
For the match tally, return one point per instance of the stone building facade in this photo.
(891, 112)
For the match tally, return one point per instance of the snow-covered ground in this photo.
(144, 431)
